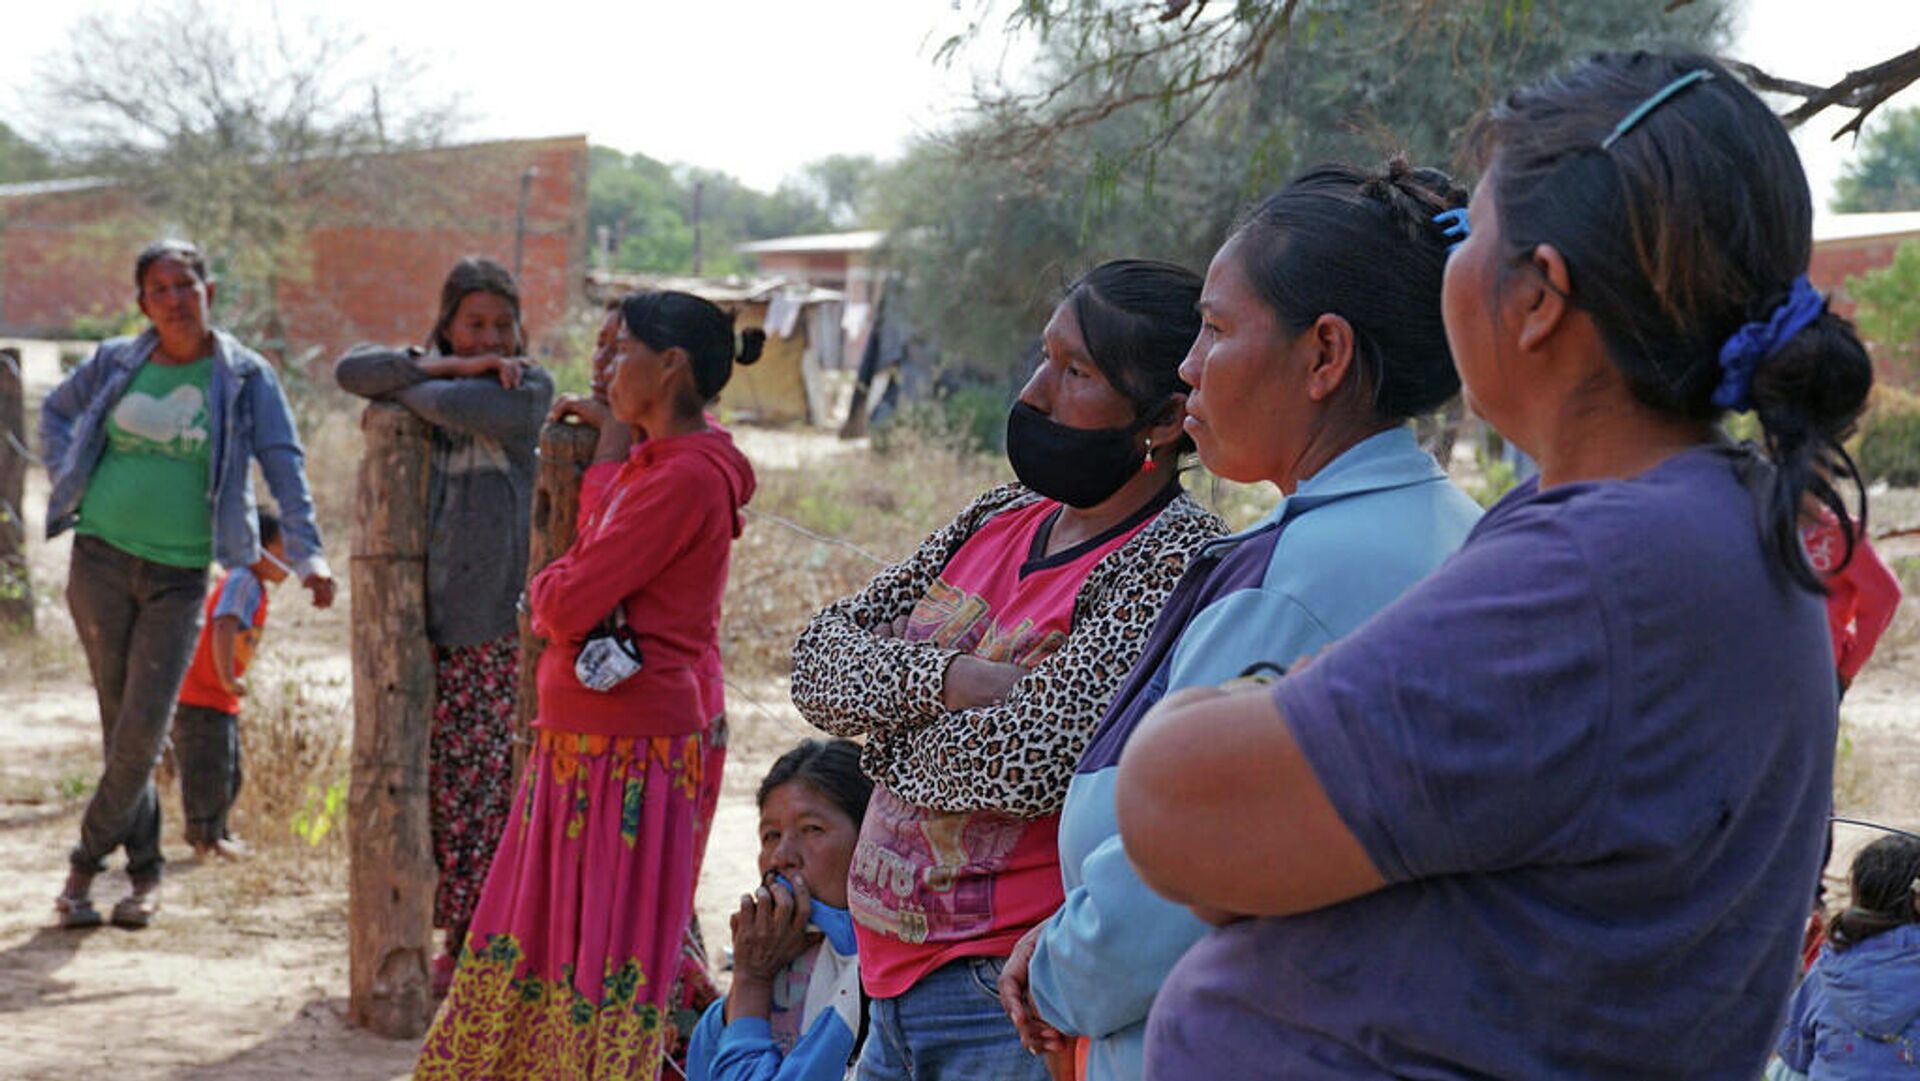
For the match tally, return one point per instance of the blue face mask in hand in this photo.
(835, 923)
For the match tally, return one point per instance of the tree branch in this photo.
(1862, 91)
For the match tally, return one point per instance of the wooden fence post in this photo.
(16, 584)
(391, 875)
(565, 452)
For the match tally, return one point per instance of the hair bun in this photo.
(1415, 194)
(752, 341)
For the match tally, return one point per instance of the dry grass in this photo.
(297, 748)
(882, 500)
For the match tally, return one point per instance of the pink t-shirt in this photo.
(929, 887)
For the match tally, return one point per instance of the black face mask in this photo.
(1080, 467)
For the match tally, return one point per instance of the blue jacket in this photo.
(250, 422)
(1347, 543)
(816, 1014)
(1856, 1016)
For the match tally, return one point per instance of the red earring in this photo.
(1149, 465)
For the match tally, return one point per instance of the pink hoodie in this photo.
(656, 536)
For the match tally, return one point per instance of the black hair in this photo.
(1138, 317)
(831, 767)
(269, 524)
(1363, 245)
(183, 250)
(1694, 221)
(667, 319)
(474, 274)
(1886, 884)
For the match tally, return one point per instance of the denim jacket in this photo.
(250, 421)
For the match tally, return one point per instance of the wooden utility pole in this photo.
(565, 452)
(16, 585)
(391, 875)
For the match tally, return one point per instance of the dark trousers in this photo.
(206, 750)
(138, 622)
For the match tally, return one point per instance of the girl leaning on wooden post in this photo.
(485, 400)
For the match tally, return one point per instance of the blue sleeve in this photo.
(1797, 1038)
(239, 597)
(1470, 727)
(276, 446)
(1105, 953)
(1239, 629)
(744, 1050)
(62, 406)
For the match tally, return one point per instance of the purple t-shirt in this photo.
(1592, 757)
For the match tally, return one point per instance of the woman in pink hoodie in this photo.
(575, 941)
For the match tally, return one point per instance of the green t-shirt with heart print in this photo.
(148, 494)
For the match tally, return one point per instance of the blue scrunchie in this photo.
(1755, 342)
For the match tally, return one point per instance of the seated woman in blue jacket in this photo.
(1320, 337)
(1857, 1014)
(795, 1010)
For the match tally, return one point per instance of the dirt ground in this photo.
(244, 974)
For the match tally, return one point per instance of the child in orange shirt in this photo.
(206, 726)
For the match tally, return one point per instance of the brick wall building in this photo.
(370, 270)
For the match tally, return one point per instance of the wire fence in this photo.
(822, 538)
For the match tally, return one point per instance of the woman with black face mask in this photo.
(977, 668)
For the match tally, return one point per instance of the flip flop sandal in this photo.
(77, 912)
(136, 909)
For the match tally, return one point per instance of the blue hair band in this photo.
(1660, 97)
(1454, 226)
(1755, 342)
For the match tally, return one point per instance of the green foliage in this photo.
(320, 812)
(73, 786)
(1886, 174)
(1889, 311)
(1148, 140)
(1496, 479)
(1907, 569)
(645, 210)
(21, 159)
(1890, 447)
(100, 324)
(970, 420)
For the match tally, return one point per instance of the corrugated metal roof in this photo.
(863, 240)
(609, 284)
(53, 187)
(1827, 227)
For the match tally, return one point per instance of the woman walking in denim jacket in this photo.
(148, 446)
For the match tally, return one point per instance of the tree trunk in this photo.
(565, 452)
(391, 875)
(16, 585)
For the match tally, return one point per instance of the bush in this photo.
(1890, 447)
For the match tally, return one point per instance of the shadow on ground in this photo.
(316, 1043)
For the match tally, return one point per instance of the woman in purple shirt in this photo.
(1555, 812)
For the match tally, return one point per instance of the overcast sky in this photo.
(757, 88)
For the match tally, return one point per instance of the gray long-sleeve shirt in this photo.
(480, 491)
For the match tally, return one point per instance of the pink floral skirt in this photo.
(470, 771)
(577, 939)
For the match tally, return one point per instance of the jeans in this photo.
(947, 1027)
(138, 622)
(206, 749)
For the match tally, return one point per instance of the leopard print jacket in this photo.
(1017, 755)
